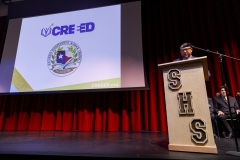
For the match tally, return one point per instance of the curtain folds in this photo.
(166, 24)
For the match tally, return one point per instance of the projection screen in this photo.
(84, 50)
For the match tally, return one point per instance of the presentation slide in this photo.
(69, 51)
(97, 48)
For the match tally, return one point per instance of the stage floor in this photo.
(105, 145)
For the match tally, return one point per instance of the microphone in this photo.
(192, 46)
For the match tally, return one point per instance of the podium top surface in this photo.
(203, 60)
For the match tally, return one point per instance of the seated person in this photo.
(238, 97)
(222, 108)
(213, 117)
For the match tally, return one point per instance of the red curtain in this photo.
(166, 24)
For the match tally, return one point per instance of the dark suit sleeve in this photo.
(211, 106)
(215, 106)
(236, 104)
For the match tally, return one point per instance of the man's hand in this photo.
(238, 111)
(220, 113)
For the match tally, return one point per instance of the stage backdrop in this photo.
(166, 24)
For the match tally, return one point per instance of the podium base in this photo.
(233, 153)
(192, 148)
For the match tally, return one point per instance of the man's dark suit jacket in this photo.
(221, 105)
(238, 100)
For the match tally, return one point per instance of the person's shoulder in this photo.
(179, 59)
(217, 98)
(233, 98)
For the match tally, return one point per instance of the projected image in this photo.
(97, 48)
(80, 50)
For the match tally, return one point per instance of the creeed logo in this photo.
(64, 58)
(68, 29)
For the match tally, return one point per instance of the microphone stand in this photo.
(234, 153)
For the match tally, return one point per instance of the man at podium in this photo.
(186, 52)
(188, 116)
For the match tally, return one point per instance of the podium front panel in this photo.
(188, 115)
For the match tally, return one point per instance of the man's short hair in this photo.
(221, 87)
(184, 45)
(226, 89)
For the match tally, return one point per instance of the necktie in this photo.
(225, 99)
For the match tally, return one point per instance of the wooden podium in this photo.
(188, 116)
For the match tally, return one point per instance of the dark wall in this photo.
(29, 8)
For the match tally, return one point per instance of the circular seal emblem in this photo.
(64, 58)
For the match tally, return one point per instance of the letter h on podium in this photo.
(185, 103)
